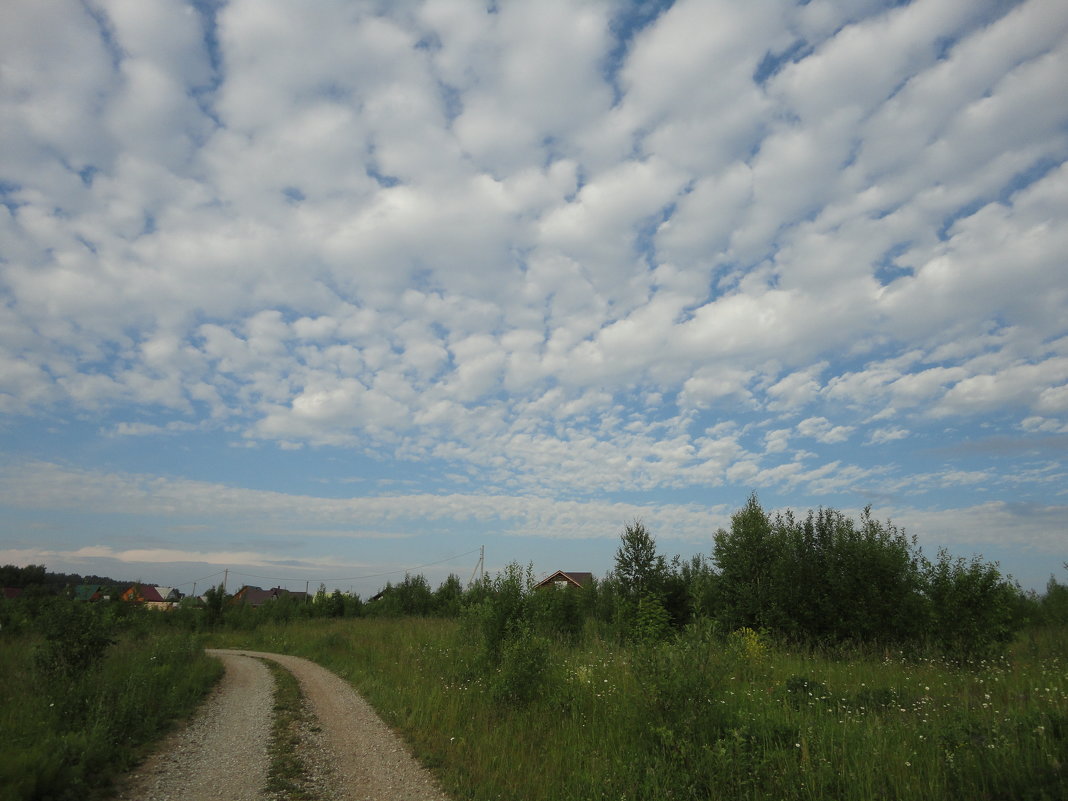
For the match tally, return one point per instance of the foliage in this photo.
(1053, 606)
(22, 577)
(971, 606)
(523, 668)
(640, 569)
(412, 596)
(214, 604)
(76, 637)
(67, 730)
(749, 646)
(558, 612)
(699, 715)
(826, 579)
(745, 557)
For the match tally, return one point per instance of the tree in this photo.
(449, 596)
(821, 578)
(641, 578)
(971, 604)
(214, 599)
(639, 568)
(745, 557)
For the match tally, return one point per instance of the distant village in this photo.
(34, 581)
(158, 597)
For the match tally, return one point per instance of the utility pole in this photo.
(226, 576)
(480, 568)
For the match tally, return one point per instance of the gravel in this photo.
(222, 754)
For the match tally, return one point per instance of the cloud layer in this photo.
(570, 251)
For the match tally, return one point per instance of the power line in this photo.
(197, 581)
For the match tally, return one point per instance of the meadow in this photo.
(85, 691)
(701, 715)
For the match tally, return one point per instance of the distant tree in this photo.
(640, 570)
(214, 604)
(449, 596)
(22, 577)
(745, 557)
(335, 604)
(641, 576)
(972, 606)
(1053, 605)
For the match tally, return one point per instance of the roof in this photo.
(87, 592)
(142, 592)
(12, 592)
(571, 578)
(254, 596)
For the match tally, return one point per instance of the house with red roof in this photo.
(561, 579)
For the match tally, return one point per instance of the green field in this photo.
(700, 716)
(696, 714)
(85, 691)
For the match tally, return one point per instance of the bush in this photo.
(523, 668)
(828, 580)
(971, 606)
(76, 637)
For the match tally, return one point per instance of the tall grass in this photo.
(706, 717)
(67, 730)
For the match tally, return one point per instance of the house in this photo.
(254, 596)
(141, 593)
(11, 593)
(89, 592)
(152, 597)
(560, 579)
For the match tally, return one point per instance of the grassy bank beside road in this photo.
(702, 715)
(82, 694)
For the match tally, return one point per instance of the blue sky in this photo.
(323, 292)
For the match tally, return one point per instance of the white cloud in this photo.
(880, 436)
(821, 429)
(553, 260)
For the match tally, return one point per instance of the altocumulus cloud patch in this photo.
(447, 272)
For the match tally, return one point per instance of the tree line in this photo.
(824, 579)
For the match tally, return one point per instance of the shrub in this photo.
(971, 606)
(523, 668)
(748, 646)
(76, 637)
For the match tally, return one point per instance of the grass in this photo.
(68, 734)
(695, 717)
(288, 776)
(702, 718)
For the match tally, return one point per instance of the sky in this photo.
(327, 292)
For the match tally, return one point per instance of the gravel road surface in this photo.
(222, 754)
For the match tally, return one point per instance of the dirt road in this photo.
(222, 754)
